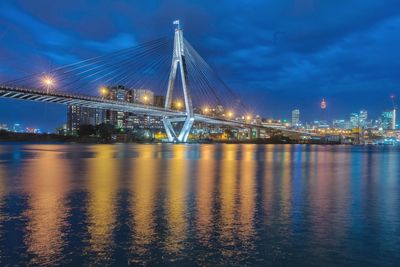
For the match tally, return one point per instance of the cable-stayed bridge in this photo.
(183, 77)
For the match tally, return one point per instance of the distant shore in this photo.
(48, 138)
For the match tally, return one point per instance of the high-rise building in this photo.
(159, 101)
(341, 124)
(126, 120)
(118, 119)
(143, 96)
(78, 115)
(295, 117)
(354, 120)
(387, 120)
(363, 117)
(394, 119)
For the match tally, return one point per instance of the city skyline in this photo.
(281, 63)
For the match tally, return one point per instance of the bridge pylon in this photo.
(178, 59)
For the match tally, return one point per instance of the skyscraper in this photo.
(354, 120)
(295, 117)
(387, 120)
(363, 117)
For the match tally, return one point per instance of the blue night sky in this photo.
(277, 54)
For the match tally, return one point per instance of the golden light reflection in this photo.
(103, 173)
(143, 191)
(47, 186)
(204, 199)
(228, 194)
(286, 184)
(176, 199)
(247, 193)
(268, 181)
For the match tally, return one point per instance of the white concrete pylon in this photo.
(178, 59)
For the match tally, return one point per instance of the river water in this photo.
(161, 204)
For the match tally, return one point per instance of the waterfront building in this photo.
(17, 128)
(118, 119)
(341, 124)
(78, 115)
(4, 127)
(363, 117)
(295, 118)
(387, 120)
(354, 120)
(143, 96)
(159, 101)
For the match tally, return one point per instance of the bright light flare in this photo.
(48, 81)
(179, 104)
(103, 91)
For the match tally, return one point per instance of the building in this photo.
(159, 101)
(363, 118)
(354, 120)
(17, 128)
(143, 96)
(4, 127)
(394, 119)
(129, 121)
(78, 115)
(118, 119)
(341, 124)
(295, 117)
(387, 120)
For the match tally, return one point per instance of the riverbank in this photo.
(49, 138)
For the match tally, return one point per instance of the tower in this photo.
(178, 60)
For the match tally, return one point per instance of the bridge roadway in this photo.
(63, 98)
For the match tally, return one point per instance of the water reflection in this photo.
(199, 205)
(145, 171)
(46, 184)
(247, 195)
(102, 185)
(177, 178)
(227, 198)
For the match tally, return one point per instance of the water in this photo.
(255, 205)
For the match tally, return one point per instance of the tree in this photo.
(86, 130)
(105, 130)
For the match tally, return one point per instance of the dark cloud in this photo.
(277, 54)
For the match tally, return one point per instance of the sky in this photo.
(277, 55)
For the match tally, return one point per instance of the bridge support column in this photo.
(178, 59)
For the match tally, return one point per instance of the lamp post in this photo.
(48, 82)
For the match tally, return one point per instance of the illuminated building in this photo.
(78, 115)
(387, 120)
(143, 96)
(354, 120)
(295, 117)
(17, 128)
(159, 101)
(363, 117)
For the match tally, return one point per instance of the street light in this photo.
(103, 91)
(230, 114)
(145, 99)
(205, 110)
(248, 117)
(178, 104)
(48, 82)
